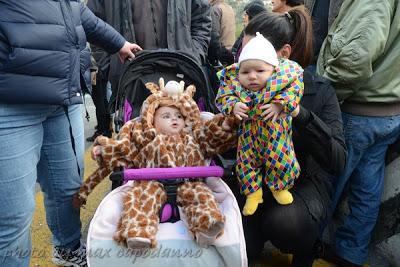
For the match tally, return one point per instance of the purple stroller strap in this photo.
(201, 104)
(127, 111)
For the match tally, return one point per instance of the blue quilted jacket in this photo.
(43, 53)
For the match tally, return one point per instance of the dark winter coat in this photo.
(188, 29)
(319, 142)
(43, 51)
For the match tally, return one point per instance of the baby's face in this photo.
(168, 120)
(254, 73)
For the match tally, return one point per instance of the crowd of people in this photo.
(330, 123)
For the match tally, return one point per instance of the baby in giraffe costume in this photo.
(169, 134)
(264, 92)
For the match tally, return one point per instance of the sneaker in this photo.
(68, 257)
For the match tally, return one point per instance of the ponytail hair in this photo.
(293, 27)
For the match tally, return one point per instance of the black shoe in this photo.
(302, 260)
(107, 133)
(93, 137)
(327, 253)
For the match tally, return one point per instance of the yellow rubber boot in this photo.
(252, 202)
(283, 197)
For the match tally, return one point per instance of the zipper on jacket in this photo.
(69, 22)
(66, 10)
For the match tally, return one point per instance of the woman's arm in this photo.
(323, 134)
(200, 27)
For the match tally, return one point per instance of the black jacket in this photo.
(188, 29)
(318, 140)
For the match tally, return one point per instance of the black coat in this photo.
(319, 141)
(188, 29)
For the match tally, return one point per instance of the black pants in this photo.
(291, 228)
(99, 96)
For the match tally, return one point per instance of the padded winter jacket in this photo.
(360, 55)
(43, 51)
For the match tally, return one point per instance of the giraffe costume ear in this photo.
(190, 90)
(161, 83)
(154, 88)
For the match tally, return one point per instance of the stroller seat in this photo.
(176, 246)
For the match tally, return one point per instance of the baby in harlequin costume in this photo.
(263, 92)
(169, 133)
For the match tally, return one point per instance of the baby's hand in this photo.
(240, 110)
(225, 125)
(295, 112)
(96, 152)
(229, 123)
(272, 111)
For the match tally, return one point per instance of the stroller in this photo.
(176, 246)
(149, 66)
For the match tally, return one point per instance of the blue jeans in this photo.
(35, 146)
(367, 139)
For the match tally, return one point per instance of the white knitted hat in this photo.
(259, 48)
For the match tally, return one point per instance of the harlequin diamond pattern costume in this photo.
(264, 144)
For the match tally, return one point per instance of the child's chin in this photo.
(173, 133)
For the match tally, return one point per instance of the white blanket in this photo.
(175, 243)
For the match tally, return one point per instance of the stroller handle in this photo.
(171, 173)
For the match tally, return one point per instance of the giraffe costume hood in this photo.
(171, 94)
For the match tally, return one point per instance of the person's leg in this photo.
(99, 96)
(368, 137)
(292, 228)
(58, 174)
(21, 136)
(281, 165)
(138, 225)
(203, 216)
(248, 168)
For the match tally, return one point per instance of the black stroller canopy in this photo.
(149, 66)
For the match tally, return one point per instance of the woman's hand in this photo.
(272, 111)
(240, 111)
(127, 51)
